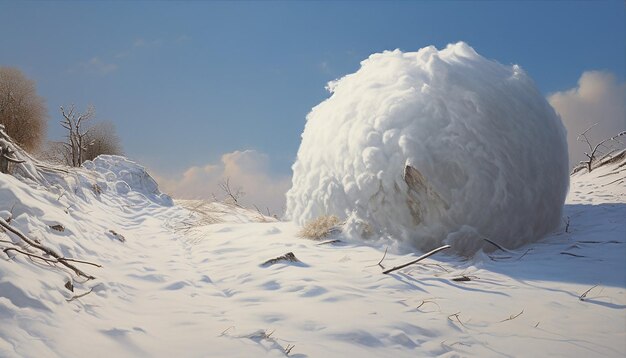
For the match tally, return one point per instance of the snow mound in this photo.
(125, 176)
(432, 147)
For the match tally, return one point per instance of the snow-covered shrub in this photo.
(432, 147)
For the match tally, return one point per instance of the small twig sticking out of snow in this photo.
(289, 348)
(233, 195)
(11, 213)
(512, 317)
(328, 242)
(525, 253)
(79, 296)
(380, 263)
(497, 245)
(426, 255)
(537, 325)
(261, 216)
(570, 254)
(224, 332)
(456, 315)
(584, 295)
(427, 301)
(437, 265)
(598, 242)
(566, 224)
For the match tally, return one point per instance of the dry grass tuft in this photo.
(321, 227)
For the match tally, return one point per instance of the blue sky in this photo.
(186, 82)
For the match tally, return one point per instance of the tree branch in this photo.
(426, 255)
(45, 249)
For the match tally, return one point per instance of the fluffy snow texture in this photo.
(487, 153)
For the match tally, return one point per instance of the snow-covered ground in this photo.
(187, 280)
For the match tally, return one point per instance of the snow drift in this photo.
(432, 147)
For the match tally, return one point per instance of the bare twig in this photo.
(456, 315)
(289, 348)
(570, 254)
(226, 331)
(45, 249)
(233, 195)
(584, 295)
(436, 265)
(79, 296)
(524, 254)
(598, 242)
(427, 301)
(6, 251)
(82, 262)
(328, 242)
(426, 255)
(11, 213)
(380, 263)
(497, 245)
(512, 317)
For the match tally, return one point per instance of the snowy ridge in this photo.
(606, 182)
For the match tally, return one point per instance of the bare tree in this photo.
(75, 123)
(232, 196)
(601, 150)
(102, 138)
(22, 111)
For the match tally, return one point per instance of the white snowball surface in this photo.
(489, 152)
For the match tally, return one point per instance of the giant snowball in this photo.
(434, 147)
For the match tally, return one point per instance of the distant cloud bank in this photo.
(248, 170)
(598, 98)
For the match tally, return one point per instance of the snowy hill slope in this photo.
(187, 280)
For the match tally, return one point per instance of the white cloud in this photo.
(95, 64)
(247, 169)
(598, 98)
